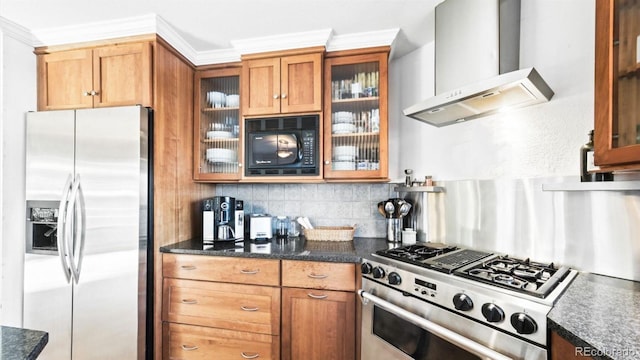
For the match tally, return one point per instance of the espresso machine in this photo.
(219, 219)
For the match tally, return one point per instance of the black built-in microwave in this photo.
(282, 146)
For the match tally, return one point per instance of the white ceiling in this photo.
(209, 25)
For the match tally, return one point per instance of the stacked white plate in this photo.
(233, 100)
(217, 155)
(345, 153)
(344, 165)
(343, 128)
(343, 117)
(217, 99)
(219, 135)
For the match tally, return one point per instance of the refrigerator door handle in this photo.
(62, 229)
(73, 242)
(82, 224)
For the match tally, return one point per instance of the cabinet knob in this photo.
(94, 93)
(284, 96)
(327, 162)
(239, 165)
(276, 96)
(86, 93)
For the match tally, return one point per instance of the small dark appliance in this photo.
(282, 146)
(218, 219)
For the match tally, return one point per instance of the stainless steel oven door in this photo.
(401, 327)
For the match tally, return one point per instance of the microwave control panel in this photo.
(308, 146)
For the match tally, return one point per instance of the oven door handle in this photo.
(434, 328)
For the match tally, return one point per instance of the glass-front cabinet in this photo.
(355, 116)
(617, 84)
(217, 127)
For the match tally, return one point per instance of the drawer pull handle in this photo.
(249, 272)
(319, 297)
(245, 308)
(189, 348)
(318, 276)
(247, 356)
(189, 301)
(188, 267)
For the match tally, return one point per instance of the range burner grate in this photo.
(520, 275)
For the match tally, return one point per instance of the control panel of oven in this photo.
(484, 303)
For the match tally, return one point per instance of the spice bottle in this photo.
(588, 169)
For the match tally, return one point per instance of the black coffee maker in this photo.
(219, 222)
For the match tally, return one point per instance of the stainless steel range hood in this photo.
(477, 52)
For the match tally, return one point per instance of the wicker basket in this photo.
(330, 233)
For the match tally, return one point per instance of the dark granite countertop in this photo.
(600, 315)
(292, 249)
(21, 344)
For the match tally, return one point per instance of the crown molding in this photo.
(154, 24)
(18, 32)
(363, 40)
(282, 42)
(101, 30)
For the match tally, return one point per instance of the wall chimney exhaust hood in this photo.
(477, 55)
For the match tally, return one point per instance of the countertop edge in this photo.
(22, 344)
(293, 249)
(600, 314)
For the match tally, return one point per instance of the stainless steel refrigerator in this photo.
(89, 232)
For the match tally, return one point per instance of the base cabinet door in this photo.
(318, 324)
(199, 343)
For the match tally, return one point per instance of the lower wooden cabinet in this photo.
(198, 343)
(273, 309)
(562, 349)
(318, 324)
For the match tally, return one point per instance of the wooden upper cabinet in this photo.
(355, 111)
(282, 84)
(64, 78)
(113, 75)
(617, 85)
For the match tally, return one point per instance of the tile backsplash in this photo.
(323, 204)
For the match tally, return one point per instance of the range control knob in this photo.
(394, 278)
(492, 312)
(523, 323)
(462, 302)
(366, 268)
(378, 272)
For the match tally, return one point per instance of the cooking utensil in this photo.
(404, 209)
(389, 208)
(381, 209)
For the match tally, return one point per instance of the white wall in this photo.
(557, 38)
(17, 95)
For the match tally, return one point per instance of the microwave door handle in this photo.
(434, 328)
(62, 229)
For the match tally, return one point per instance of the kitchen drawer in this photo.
(319, 275)
(220, 268)
(196, 342)
(229, 306)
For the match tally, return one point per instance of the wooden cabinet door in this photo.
(202, 343)
(301, 83)
(318, 324)
(617, 86)
(217, 128)
(122, 75)
(356, 119)
(65, 80)
(261, 86)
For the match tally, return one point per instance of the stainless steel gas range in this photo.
(435, 301)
